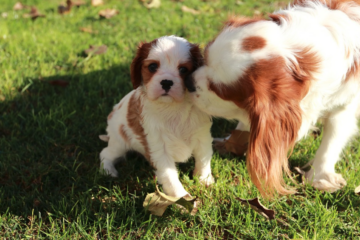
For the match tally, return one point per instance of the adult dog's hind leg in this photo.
(339, 127)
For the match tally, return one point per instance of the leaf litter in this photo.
(237, 143)
(34, 14)
(189, 10)
(108, 13)
(96, 50)
(157, 202)
(152, 3)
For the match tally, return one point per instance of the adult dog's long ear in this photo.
(135, 68)
(196, 56)
(275, 117)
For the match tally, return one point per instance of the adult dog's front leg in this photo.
(339, 127)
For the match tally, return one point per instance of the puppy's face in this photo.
(161, 66)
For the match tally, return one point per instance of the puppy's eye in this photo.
(153, 67)
(183, 70)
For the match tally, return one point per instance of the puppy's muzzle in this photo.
(189, 83)
(166, 84)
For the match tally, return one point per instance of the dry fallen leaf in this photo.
(236, 144)
(88, 30)
(96, 50)
(19, 6)
(108, 13)
(157, 202)
(258, 207)
(60, 83)
(357, 190)
(97, 2)
(189, 10)
(34, 14)
(152, 3)
(65, 9)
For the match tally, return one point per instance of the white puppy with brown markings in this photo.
(158, 119)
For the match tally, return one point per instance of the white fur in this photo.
(334, 36)
(175, 130)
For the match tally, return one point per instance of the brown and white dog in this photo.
(158, 118)
(278, 76)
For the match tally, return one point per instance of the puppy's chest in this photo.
(180, 123)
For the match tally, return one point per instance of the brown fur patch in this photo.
(277, 18)
(206, 52)
(235, 21)
(134, 119)
(145, 72)
(271, 94)
(110, 115)
(253, 43)
(136, 65)
(354, 72)
(332, 4)
(120, 105)
(123, 133)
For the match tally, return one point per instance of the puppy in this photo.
(278, 76)
(158, 118)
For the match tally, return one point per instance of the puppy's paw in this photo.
(207, 180)
(108, 168)
(329, 182)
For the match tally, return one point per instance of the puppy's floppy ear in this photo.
(196, 56)
(135, 68)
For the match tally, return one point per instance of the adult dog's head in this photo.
(160, 67)
(250, 75)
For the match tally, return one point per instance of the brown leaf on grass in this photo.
(357, 190)
(19, 6)
(157, 202)
(88, 30)
(97, 2)
(189, 10)
(96, 50)
(258, 207)
(236, 144)
(78, 3)
(62, 9)
(108, 13)
(151, 3)
(34, 14)
(60, 83)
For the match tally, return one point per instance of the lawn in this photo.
(49, 145)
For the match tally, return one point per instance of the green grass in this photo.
(49, 181)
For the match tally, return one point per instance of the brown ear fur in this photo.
(135, 68)
(271, 95)
(196, 56)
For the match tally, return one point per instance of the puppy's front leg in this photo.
(167, 176)
(203, 153)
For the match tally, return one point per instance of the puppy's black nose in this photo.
(166, 84)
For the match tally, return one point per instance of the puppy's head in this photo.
(161, 66)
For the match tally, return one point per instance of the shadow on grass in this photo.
(50, 147)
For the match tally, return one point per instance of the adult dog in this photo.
(278, 77)
(158, 119)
